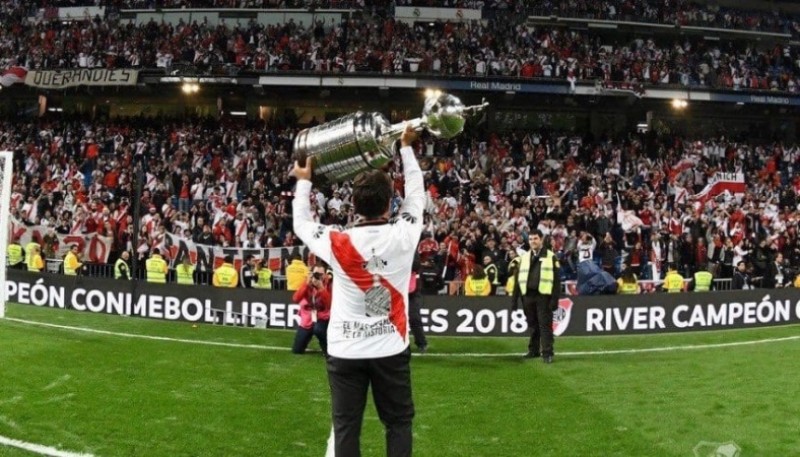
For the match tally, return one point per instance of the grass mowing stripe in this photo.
(38, 448)
(689, 347)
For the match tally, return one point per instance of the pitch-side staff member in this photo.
(368, 340)
(537, 286)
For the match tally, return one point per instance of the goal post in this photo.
(6, 161)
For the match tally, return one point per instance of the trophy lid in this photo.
(444, 115)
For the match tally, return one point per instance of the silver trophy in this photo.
(351, 144)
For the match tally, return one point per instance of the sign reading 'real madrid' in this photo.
(62, 79)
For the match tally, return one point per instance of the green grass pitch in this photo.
(111, 394)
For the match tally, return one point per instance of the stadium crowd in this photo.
(373, 42)
(624, 201)
(682, 12)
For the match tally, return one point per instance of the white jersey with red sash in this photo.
(371, 269)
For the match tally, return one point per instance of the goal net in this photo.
(5, 202)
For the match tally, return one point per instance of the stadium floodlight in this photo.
(6, 162)
(679, 103)
(430, 93)
(190, 88)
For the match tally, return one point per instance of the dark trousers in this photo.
(540, 322)
(390, 377)
(304, 335)
(415, 319)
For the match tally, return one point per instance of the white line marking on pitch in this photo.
(689, 347)
(150, 337)
(38, 448)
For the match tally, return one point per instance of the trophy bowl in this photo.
(356, 142)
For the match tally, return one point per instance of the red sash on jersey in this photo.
(353, 265)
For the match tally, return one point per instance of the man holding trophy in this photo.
(368, 333)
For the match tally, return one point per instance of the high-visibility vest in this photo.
(119, 265)
(628, 287)
(491, 272)
(546, 272)
(512, 278)
(674, 282)
(29, 252)
(71, 264)
(36, 263)
(226, 276)
(185, 274)
(702, 281)
(156, 270)
(477, 287)
(264, 279)
(296, 274)
(14, 254)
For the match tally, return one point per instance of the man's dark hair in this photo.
(537, 232)
(372, 193)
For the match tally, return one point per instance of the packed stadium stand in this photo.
(701, 192)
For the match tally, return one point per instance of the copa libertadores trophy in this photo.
(351, 144)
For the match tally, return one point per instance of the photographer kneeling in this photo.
(314, 298)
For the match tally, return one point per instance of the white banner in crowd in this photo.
(62, 79)
(95, 248)
(206, 258)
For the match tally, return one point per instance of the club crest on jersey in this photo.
(561, 316)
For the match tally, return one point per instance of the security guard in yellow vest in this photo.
(628, 283)
(184, 273)
(226, 275)
(513, 268)
(15, 255)
(537, 287)
(492, 273)
(702, 281)
(71, 263)
(673, 281)
(156, 268)
(477, 284)
(29, 252)
(121, 268)
(35, 260)
(263, 275)
(296, 273)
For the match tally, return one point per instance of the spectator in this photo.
(248, 276)
(741, 277)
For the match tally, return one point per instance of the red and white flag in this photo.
(13, 75)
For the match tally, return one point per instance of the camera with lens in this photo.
(317, 275)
